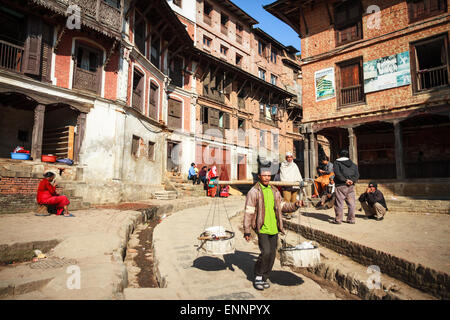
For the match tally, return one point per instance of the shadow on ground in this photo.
(246, 262)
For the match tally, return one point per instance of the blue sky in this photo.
(269, 23)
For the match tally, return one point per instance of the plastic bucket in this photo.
(20, 156)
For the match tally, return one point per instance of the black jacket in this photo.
(344, 170)
(372, 198)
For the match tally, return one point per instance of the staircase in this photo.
(70, 189)
(184, 188)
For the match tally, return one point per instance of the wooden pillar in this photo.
(353, 147)
(38, 132)
(306, 155)
(399, 163)
(81, 128)
(313, 155)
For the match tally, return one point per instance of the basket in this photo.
(20, 156)
(302, 258)
(217, 246)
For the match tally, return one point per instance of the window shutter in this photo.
(350, 75)
(33, 43)
(153, 111)
(226, 121)
(47, 44)
(213, 118)
(175, 112)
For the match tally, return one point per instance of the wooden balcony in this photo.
(97, 14)
(432, 78)
(11, 56)
(352, 95)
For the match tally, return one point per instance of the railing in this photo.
(353, 94)
(207, 19)
(239, 38)
(11, 56)
(432, 78)
(85, 80)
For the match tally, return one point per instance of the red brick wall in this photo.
(63, 61)
(393, 17)
(17, 194)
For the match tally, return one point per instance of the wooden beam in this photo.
(143, 14)
(159, 33)
(304, 21)
(242, 87)
(329, 13)
(154, 30)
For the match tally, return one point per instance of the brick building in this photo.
(136, 89)
(241, 115)
(375, 80)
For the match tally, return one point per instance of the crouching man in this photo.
(263, 213)
(373, 202)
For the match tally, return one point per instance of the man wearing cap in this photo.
(373, 203)
(289, 172)
(263, 208)
(346, 174)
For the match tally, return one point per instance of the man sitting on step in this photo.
(373, 203)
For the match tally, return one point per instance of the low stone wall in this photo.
(430, 188)
(423, 278)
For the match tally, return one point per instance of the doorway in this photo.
(242, 167)
(173, 156)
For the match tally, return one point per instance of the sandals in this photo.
(266, 285)
(334, 221)
(42, 214)
(258, 284)
(68, 215)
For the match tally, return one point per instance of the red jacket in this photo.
(45, 190)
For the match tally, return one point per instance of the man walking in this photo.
(289, 172)
(373, 202)
(346, 174)
(263, 209)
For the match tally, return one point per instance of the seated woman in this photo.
(46, 195)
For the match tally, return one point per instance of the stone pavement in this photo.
(96, 239)
(188, 274)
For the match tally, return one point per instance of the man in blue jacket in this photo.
(345, 176)
(193, 175)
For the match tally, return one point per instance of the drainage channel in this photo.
(139, 258)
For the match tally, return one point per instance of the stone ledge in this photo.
(423, 278)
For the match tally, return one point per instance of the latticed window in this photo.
(422, 9)
(348, 22)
